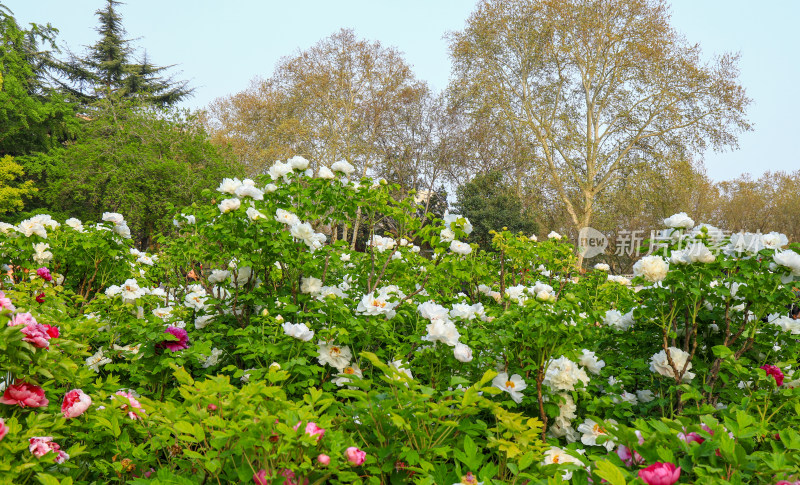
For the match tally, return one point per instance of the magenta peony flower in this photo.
(775, 373)
(75, 403)
(24, 395)
(37, 335)
(324, 460)
(181, 344)
(44, 274)
(22, 319)
(660, 474)
(355, 456)
(260, 478)
(4, 430)
(5, 302)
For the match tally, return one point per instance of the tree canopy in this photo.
(596, 86)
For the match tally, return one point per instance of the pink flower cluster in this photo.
(24, 395)
(35, 333)
(629, 456)
(3, 429)
(775, 372)
(260, 478)
(42, 445)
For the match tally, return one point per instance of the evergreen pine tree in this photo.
(107, 72)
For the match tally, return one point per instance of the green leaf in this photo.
(610, 472)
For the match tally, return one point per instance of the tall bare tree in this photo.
(598, 86)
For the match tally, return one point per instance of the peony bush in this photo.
(257, 344)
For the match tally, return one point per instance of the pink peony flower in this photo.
(291, 477)
(44, 274)
(40, 298)
(660, 474)
(691, 438)
(5, 302)
(134, 404)
(4, 430)
(36, 335)
(324, 460)
(75, 403)
(181, 344)
(355, 456)
(22, 319)
(628, 456)
(314, 430)
(775, 373)
(260, 478)
(42, 445)
(24, 395)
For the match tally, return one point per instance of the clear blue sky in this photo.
(221, 46)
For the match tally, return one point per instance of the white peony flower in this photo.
(381, 244)
(562, 374)
(592, 431)
(652, 268)
(300, 331)
(554, 235)
(462, 353)
(591, 362)
(618, 321)
(344, 167)
(645, 395)
(774, 240)
(298, 163)
(228, 205)
(30, 227)
(347, 375)
(113, 217)
(310, 285)
(249, 191)
(97, 360)
(131, 291)
(660, 364)
(602, 267)
(279, 170)
(558, 456)
(75, 224)
(679, 221)
(218, 276)
(203, 321)
(513, 385)
(334, 355)
(788, 259)
(787, 324)
(212, 359)
(326, 173)
(461, 248)
(443, 331)
(229, 186)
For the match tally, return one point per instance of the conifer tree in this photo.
(108, 71)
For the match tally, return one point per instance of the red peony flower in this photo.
(52, 331)
(24, 395)
(75, 403)
(40, 298)
(776, 373)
